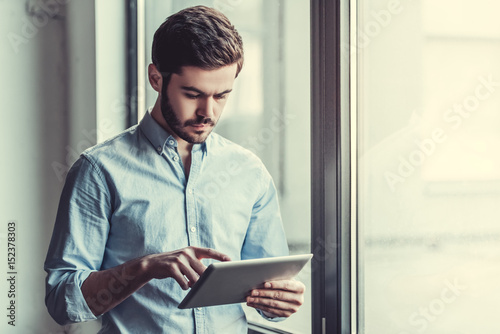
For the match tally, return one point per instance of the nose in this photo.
(206, 107)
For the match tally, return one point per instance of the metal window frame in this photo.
(131, 62)
(330, 167)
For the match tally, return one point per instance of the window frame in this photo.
(132, 61)
(330, 167)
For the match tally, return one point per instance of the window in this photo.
(405, 167)
(428, 82)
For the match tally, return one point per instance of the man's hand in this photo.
(183, 265)
(278, 298)
(119, 282)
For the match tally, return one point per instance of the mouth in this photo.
(200, 127)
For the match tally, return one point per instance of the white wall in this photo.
(48, 107)
(33, 96)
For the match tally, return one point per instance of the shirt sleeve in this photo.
(265, 236)
(78, 242)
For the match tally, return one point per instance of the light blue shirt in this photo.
(129, 197)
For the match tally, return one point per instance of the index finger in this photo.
(209, 253)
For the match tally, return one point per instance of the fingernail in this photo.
(255, 293)
(267, 285)
(250, 299)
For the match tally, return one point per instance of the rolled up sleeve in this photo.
(78, 242)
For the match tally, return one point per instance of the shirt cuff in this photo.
(275, 319)
(78, 309)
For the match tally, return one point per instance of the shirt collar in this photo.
(160, 138)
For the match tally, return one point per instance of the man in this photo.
(137, 214)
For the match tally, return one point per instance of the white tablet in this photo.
(230, 282)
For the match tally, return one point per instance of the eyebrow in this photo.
(196, 90)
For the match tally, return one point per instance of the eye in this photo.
(191, 96)
(220, 97)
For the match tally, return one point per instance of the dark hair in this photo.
(197, 36)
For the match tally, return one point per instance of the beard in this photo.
(181, 129)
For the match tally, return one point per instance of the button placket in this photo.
(190, 193)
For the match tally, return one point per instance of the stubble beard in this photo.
(178, 128)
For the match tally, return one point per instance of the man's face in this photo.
(193, 101)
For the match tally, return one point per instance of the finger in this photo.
(181, 280)
(186, 260)
(196, 265)
(290, 297)
(209, 253)
(287, 285)
(276, 307)
(192, 270)
(181, 270)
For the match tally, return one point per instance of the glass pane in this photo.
(429, 166)
(268, 110)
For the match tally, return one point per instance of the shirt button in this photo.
(176, 158)
(171, 142)
(190, 190)
(198, 308)
(193, 229)
(158, 149)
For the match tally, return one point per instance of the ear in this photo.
(155, 78)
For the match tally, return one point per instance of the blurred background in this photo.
(426, 117)
(428, 124)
